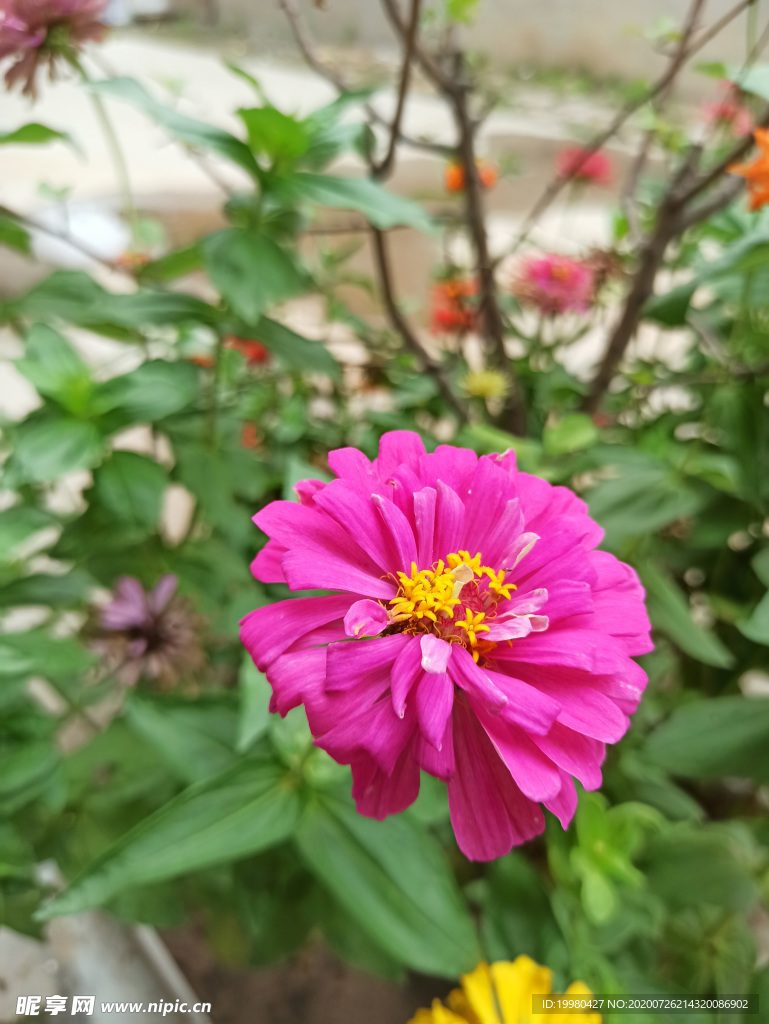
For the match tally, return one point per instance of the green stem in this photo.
(115, 150)
(752, 29)
(213, 409)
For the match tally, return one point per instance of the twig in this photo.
(382, 169)
(515, 412)
(62, 236)
(628, 199)
(307, 49)
(403, 327)
(557, 184)
(442, 81)
(667, 227)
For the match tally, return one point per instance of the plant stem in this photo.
(115, 150)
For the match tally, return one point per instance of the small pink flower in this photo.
(554, 284)
(38, 32)
(473, 632)
(728, 115)
(580, 164)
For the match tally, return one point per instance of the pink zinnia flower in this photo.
(579, 164)
(474, 633)
(555, 284)
(35, 32)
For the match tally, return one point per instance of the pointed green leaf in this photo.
(247, 809)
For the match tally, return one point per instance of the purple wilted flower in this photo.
(38, 32)
(150, 634)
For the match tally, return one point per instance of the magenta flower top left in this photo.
(473, 632)
(35, 32)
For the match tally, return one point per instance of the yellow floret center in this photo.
(435, 601)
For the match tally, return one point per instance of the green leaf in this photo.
(461, 11)
(713, 738)
(277, 135)
(48, 448)
(255, 693)
(644, 495)
(151, 392)
(671, 309)
(185, 129)
(383, 209)
(670, 614)
(131, 488)
(756, 628)
(14, 235)
(691, 868)
(173, 265)
(35, 652)
(249, 808)
(25, 771)
(394, 880)
(196, 738)
(55, 368)
(17, 524)
(251, 271)
(294, 351)
(570, 434)
(61, 591)
(32, 134)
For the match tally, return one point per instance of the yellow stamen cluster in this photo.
(425, 594)
(427, 598)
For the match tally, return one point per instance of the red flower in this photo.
(454, 307)
(454, 176)
(254, 351)
(204, 360)
(579, 164)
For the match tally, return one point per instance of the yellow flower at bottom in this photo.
(501, 994)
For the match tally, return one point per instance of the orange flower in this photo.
(203, 360)
(756, 173)
(453, 308)
(254, 351)
(454, 177)
(132, 261)
(249, 435)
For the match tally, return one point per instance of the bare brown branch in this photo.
(403, 327)
(383, 169)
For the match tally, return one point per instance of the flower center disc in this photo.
(455, 600)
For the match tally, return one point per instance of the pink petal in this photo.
(164, 590)
(269, 631)
(475, 681)
(489, 813)
(356, 665)
(399, 529)
(439, 763)
(527, 706)
(435, 653)
(534, 773)
(424, 518)
(406, 672)
(352, 465)
(357, 516)
(266, 567)
(377, 794)
(564, 804)
(294, 676)
(365, 618)
(306, 490)
(578, 755)
(449, 521)
(396, 448)
(435, 697)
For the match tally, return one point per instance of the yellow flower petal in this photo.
(515, 983)
(480, 994)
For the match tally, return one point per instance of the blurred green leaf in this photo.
(48, 448)
(151, 392)
(393, 879)
(32, 134)
(383, 209)
(462, 11)
(714, 737)
(255, 693)
(174, 264)
(251, 271)
(55, 591)
(186, 129)
(14, 235)
(295, 471)
(247, 809)
(277, 135)
(294, 351)
(56, 370)
(196, 738)
(669, 612)
(131, 488)
(17, 524)
(570, 434)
